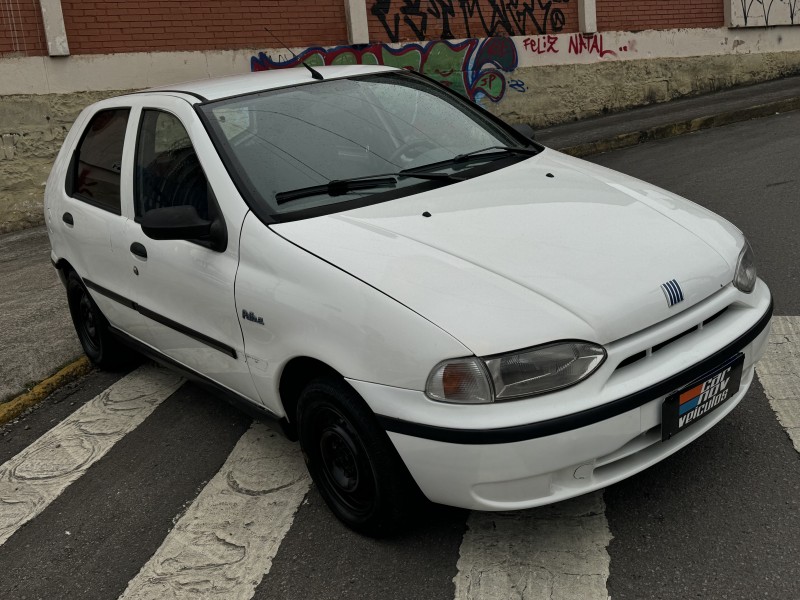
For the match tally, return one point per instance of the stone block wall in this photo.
(32, 128)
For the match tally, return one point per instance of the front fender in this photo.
(304, 306)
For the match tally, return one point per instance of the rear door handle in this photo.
(138, 250)
(67, 218)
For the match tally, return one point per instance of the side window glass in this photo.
(167, 171)
(97, 162)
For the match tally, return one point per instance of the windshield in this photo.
(295, 138)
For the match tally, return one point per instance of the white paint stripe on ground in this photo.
(224, 544)
(779, 373)
(35, 477)
(558, 552)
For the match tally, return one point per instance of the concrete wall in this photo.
(546, 79)
(556, 94)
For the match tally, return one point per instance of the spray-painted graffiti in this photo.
(426, 19)
(518, 85)
(764, 13)
(472, 67)
(793, 11)
(577, 44)
(542, 44)
(591, 44)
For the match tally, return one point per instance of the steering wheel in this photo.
(407, 152)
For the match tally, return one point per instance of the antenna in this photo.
(314, 73)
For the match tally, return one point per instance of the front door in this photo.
(184, 290)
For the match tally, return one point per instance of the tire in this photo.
(101, 347)
(352, 461)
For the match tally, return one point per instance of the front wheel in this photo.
(351, 459)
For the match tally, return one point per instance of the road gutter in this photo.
(668, 130)
(13, 408)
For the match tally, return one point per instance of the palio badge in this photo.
(251, 316)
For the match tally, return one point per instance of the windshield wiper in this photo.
(339, 187)
(504, 149)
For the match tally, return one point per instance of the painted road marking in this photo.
(558, 551)
(779, 373)
(35, 477)
(224, 544)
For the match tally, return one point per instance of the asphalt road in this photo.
(720, 519)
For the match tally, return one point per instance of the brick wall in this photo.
(636, 15)
(399, 21)
(21, 29)
(105, 26)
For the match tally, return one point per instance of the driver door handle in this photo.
(138, 250)
(67, 218)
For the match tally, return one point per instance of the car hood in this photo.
(549, 248)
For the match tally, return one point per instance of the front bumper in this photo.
(526, 464)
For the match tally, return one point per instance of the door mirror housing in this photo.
(183, 223)
(525, 130)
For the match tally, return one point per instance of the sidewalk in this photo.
(36, 334)
(657, 121)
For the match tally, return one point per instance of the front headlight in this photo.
(745, 278)
(515, 375)
(543, 369)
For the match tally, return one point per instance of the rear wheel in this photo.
(102, 348)
(351, 459)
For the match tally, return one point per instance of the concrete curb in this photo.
(13, 408)
(669, 130)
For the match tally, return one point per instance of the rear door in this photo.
(184, 290)
(91, 212)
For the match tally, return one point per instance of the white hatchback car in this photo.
(425, 297)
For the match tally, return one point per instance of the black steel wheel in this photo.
(351, 459)
(102, 348)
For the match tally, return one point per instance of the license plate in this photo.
(701, 397)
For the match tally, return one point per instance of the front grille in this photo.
(647, 352)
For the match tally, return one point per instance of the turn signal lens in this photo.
(462, 380)
(745, 278)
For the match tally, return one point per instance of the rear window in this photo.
(97, 163)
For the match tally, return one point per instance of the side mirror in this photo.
(525, 130)
(183, 223)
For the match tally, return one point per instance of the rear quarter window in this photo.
(96, 165)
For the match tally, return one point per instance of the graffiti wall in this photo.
(475, 68)
(400, 20)
(480, 69)
(764, 13)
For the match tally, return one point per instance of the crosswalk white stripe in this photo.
(225, 542)
(558, 551)
(779, 373)
(35, 477)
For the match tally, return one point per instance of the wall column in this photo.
(587, 16)
(355, 12)
(54, 30)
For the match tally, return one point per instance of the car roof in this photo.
(235, 85)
